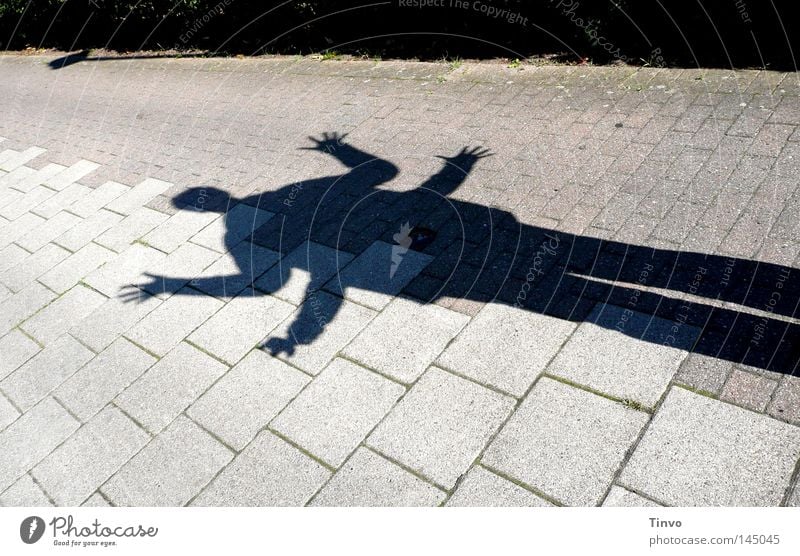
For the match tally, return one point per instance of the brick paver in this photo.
(191, 312)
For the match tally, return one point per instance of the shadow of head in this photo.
(203, 199)
(69, 59)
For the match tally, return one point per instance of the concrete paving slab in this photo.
(45, 371)
(702, 452)
(32, 437)
(482, 488)
(331, 416)
(24, 493)
(269, 472)
(240, 324)
(248, 397)
(624, 353)
(172, 321)
(620, 497)
(518, 346)
(230, 228)
(74, 470)
(303, 271)
(566, 442)
(369, 480)
(98, 382)
(405, 338)
(441, 426)
(316, 331)
(378, 274)
(15, 349)
(170, 386)
(170, 470)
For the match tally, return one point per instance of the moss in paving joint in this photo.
(525, 486)
(629, 403)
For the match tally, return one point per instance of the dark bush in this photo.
(723, 33)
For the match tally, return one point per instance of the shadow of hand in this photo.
(279, 345)
(150, 286)
(328, 143)
(467, 157)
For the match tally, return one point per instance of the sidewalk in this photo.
(287, 282)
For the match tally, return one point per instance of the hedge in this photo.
(721, 33)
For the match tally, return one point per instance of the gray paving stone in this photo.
(15, 349)
(522, 345)
(20, 276)
(794, 499)
(126, 269)
(235, 270)
(112, 319)
(32, 437)
(48, 231)
(620, 497)
(482, 488)
(248, 397)
(565, 442)
(624, 353)
(133, 227)
(50, 323)
(99, 381)
(39, 177)
(54, 205)
(378, 274)
(172, 321)
(12, 231)
(170, 470)
(177, 269)
(170, 386)
(441, 425)
(178, 228)
(24, 493)
(95, 501)
(20, 158)
(318, 330)
(270, 472)
(704, 373)
(232, 227)
(786, 401)
(87, 230)
(368, 480)
(337, 410)
(97, 199)
(405, 338)
(76, 267)
(24, 204)
(138, 196)
(8, 413)
(22, 305)
(703, 452)
(304, 270)
(240, 324)
(11, 256)
(70, 175)
(10, 196)
(748, 390)
(45, 371)
(74, 470)
(9, 180)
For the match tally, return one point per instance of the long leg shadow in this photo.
(348, 232)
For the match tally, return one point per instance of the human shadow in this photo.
(350, 232)
(84, 56)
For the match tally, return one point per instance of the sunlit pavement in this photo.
(225, 350)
